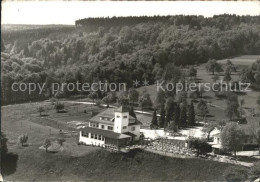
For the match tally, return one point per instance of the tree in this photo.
(201, 145)
(122, 98)
(145, 101)
(93, 96)
(177, 112)
(169, 109)
(230, 67)
(227, 76)
(59, 106)
(133, 95)
(210, 126)
(192, 72)
(46, 144)
(160, 99)
(232, 105)
(183, 116)
(191, 114)
(23, 139)
(255, 130)
(61, 140)
(132, 112)
(154, 122)
(162, 117)
(241, 102)
(3, 144)
(40, 109)
(203, 108)
(106, 100)
(173, 127)
(213, 66)
(232, 137)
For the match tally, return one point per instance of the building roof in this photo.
(130, 134)
(122, 109)
(110, 113)
(105, 133)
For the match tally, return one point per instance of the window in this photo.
(117, 116)
(125, 116)
(124, 127)
(102, 126)
(92, 135)
(110, 127)
(99, 137)
(96, 136)
(85, 134)
(133, 129)
(103, 138)
(97, 125)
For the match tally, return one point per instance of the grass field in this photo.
(245, 60)
(36, 165)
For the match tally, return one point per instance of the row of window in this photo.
(119, 116)
(105, 119)
(93, 136)
(96, 125)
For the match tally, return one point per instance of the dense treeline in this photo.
(121, 49)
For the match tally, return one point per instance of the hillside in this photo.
(102, 165)
(120, 49)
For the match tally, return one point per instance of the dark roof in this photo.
(130, 134)
(137, 122)
(110, 113)
(105, 133)
(122, 109)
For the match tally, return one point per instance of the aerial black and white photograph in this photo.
(130, 91)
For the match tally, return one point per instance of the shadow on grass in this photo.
(240, 93)
(206, 97)
(8, 163)
(44, 115)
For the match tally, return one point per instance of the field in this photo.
(245, 60)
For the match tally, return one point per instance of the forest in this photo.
(119, 49)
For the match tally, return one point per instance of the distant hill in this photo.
(121, 49)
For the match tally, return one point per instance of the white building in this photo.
(112, 127)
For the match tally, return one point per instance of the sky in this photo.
(66, 12)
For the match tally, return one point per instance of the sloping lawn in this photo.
(34, 164)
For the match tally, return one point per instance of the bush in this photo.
(46, 144)
(98, 103)
(59, 107)
(23, 139)
(61, 141)
(40, 109)
(201, 145)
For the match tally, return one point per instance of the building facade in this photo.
(112, 127)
